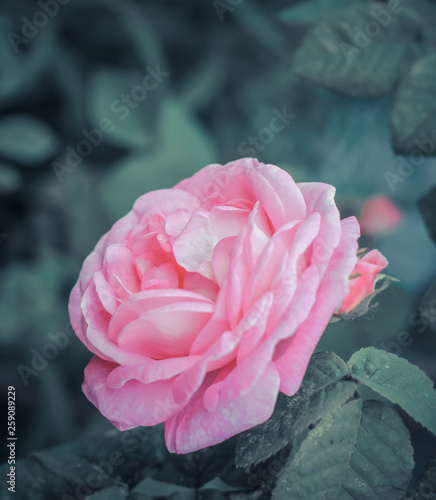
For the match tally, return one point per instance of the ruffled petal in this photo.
(122, 276)
(134, 403)
(292, 356)
(320, 197)
(195, 427)
(166, 331)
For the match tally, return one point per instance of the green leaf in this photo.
(427, 207)
(342, 54)
(397, 380)
(413, 115)
(427, 307)
(111, 493)
(355, 453)
(27, 140)
(83, 468)
(157, 488)
(131, 125)
(322, 391)
(10, 179)
(425, 487)
(25, 70)
(313, 10)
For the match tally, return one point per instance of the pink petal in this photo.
(107, 297)
(197, 283)
(134, 403)
(94, 334)
(319, 197)
(194, 247)
(250, 366)
(222, 351)
(162, 276)
(242, 258)
(164, 201)
(151, 371)
(252, 181)
(166, 331)
(276, 190)
(121, 271)
(293, 355)
(195, 427)
(132, 308)
(221, 258)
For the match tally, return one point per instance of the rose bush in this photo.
(207, 299)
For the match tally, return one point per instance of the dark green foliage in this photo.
(425, 486)
(427, 207)
(355, 453)
(413, 115)
(397, 380)
(342, 54)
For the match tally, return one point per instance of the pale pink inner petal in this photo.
(163, 276)
(132, 308)
(121, 271)
(270, 264)
(195, 282)
(166, 331)
(221, 258)
(193, 248)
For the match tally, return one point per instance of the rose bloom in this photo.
(207, 299)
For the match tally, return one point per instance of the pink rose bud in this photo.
(379, 215)
(362, 279)
(207, 299)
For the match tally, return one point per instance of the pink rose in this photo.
(207, 299)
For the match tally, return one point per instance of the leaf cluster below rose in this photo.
(208, 299)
